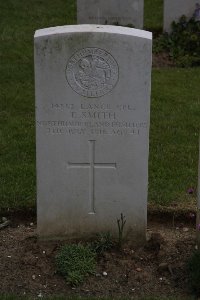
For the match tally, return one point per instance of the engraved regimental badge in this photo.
(92, 72)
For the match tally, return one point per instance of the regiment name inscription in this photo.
(100, 119)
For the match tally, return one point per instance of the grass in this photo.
(174, 111)
(174, 134)
(19, 20)
(153, 15)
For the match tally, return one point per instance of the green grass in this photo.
(19, 20)
(175, 122)
(174, 111)
(153, 15)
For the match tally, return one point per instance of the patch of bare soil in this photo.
(27, 265)
(162, 60)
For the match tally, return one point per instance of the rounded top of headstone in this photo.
(93, 28)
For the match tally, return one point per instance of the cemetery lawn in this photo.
(153, 14)
(174, 109)
(19, 20)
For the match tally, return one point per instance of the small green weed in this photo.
(102, 243)
(194, 272)
(75, 262)
(182, 44)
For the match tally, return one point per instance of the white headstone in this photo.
(121, 12)
(92, 118)
(174, 9)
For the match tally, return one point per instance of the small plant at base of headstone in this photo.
(182, 44)
(194, 272)
(75, 262)
(121, 223)
(102, 243)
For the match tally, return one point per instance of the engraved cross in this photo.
(91, 165)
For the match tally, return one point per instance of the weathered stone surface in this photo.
(92, 119)
(174, 9)
(121, 12)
